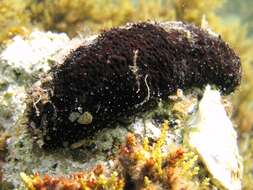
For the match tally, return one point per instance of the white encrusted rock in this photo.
(21, 63)
(35, 52)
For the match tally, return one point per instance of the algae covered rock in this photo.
(123, 110)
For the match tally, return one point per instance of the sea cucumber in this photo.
(125, 71)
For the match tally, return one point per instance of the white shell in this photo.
(215, 140)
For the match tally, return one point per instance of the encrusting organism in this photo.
(126, 71)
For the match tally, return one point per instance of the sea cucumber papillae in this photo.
(125, 71)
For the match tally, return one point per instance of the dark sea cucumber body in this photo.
(128, 70)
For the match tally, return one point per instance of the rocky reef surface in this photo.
(185, 142)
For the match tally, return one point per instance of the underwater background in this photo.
(232, 19)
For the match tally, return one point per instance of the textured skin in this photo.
(126, 71)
